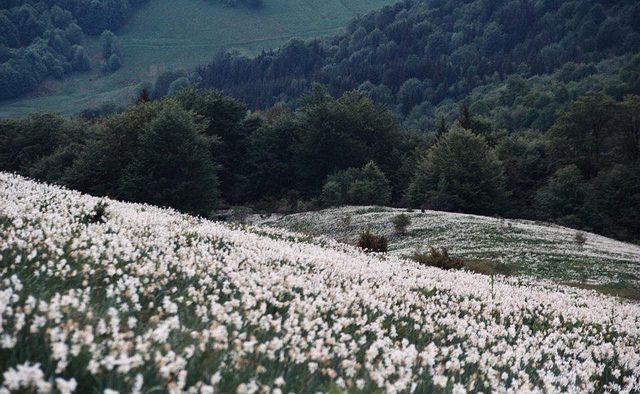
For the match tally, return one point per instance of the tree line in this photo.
(199, 151)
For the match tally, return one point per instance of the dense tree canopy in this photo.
(198, 150)
(459, 173)
(416, 52)
(357, 186)
(41, 39)
(172, 165)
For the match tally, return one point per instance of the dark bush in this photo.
(373, 243)
(580, 238)
(438, 258)
(97, 215)
(490, 268)
(400, 223)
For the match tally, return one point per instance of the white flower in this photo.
(459, 389)
(440, 381)
(66, 386)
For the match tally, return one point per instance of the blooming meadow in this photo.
(102, 296)
(532, 249)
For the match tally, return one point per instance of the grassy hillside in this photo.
(97, 295)
(538, 250)
(169, 34)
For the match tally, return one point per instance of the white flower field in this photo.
(531, 249)
(102, 296)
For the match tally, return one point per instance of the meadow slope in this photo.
(533, 249)
(99, 295)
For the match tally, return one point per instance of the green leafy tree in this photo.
(79, 59)
(459, 173)
(226, 126)
(614, 202)
(101, 165)
(564, 197)
(178, 85)
(340, 134)
(582, 135)
(172, 165)
(110, 45)
(629, 126)
(365, 186)
(24, 142)
(9, 35)
(410, 94)
(270, 157)
(371, 187)
(610, 33)
(525, 162)
(332, 193)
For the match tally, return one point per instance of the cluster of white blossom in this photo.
(150, 300)
(540, 250)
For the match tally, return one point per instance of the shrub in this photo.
(401, 222)
(580, 238)
(438, 258)
(373, 243)
(240, 214)
(485, 267)
(97, 215)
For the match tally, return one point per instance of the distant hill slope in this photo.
(98, 295)
(539, 250)
(169, 34)
(420, 53)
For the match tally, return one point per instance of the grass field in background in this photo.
(535, 250)
(174, 34)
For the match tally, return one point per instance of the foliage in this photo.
(373, 243)
(349, 150)
(438, 258)
(459, 173)
(564, 197)
(581, 238)
(426, 52)
(172, 165)
(400, 223)
(42, 39)
(365, 186)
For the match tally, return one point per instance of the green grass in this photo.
(173, 34)
(620, 289)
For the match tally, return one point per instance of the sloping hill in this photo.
(540, 250)
(97, 295)
(417, 55)
(168, 34)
